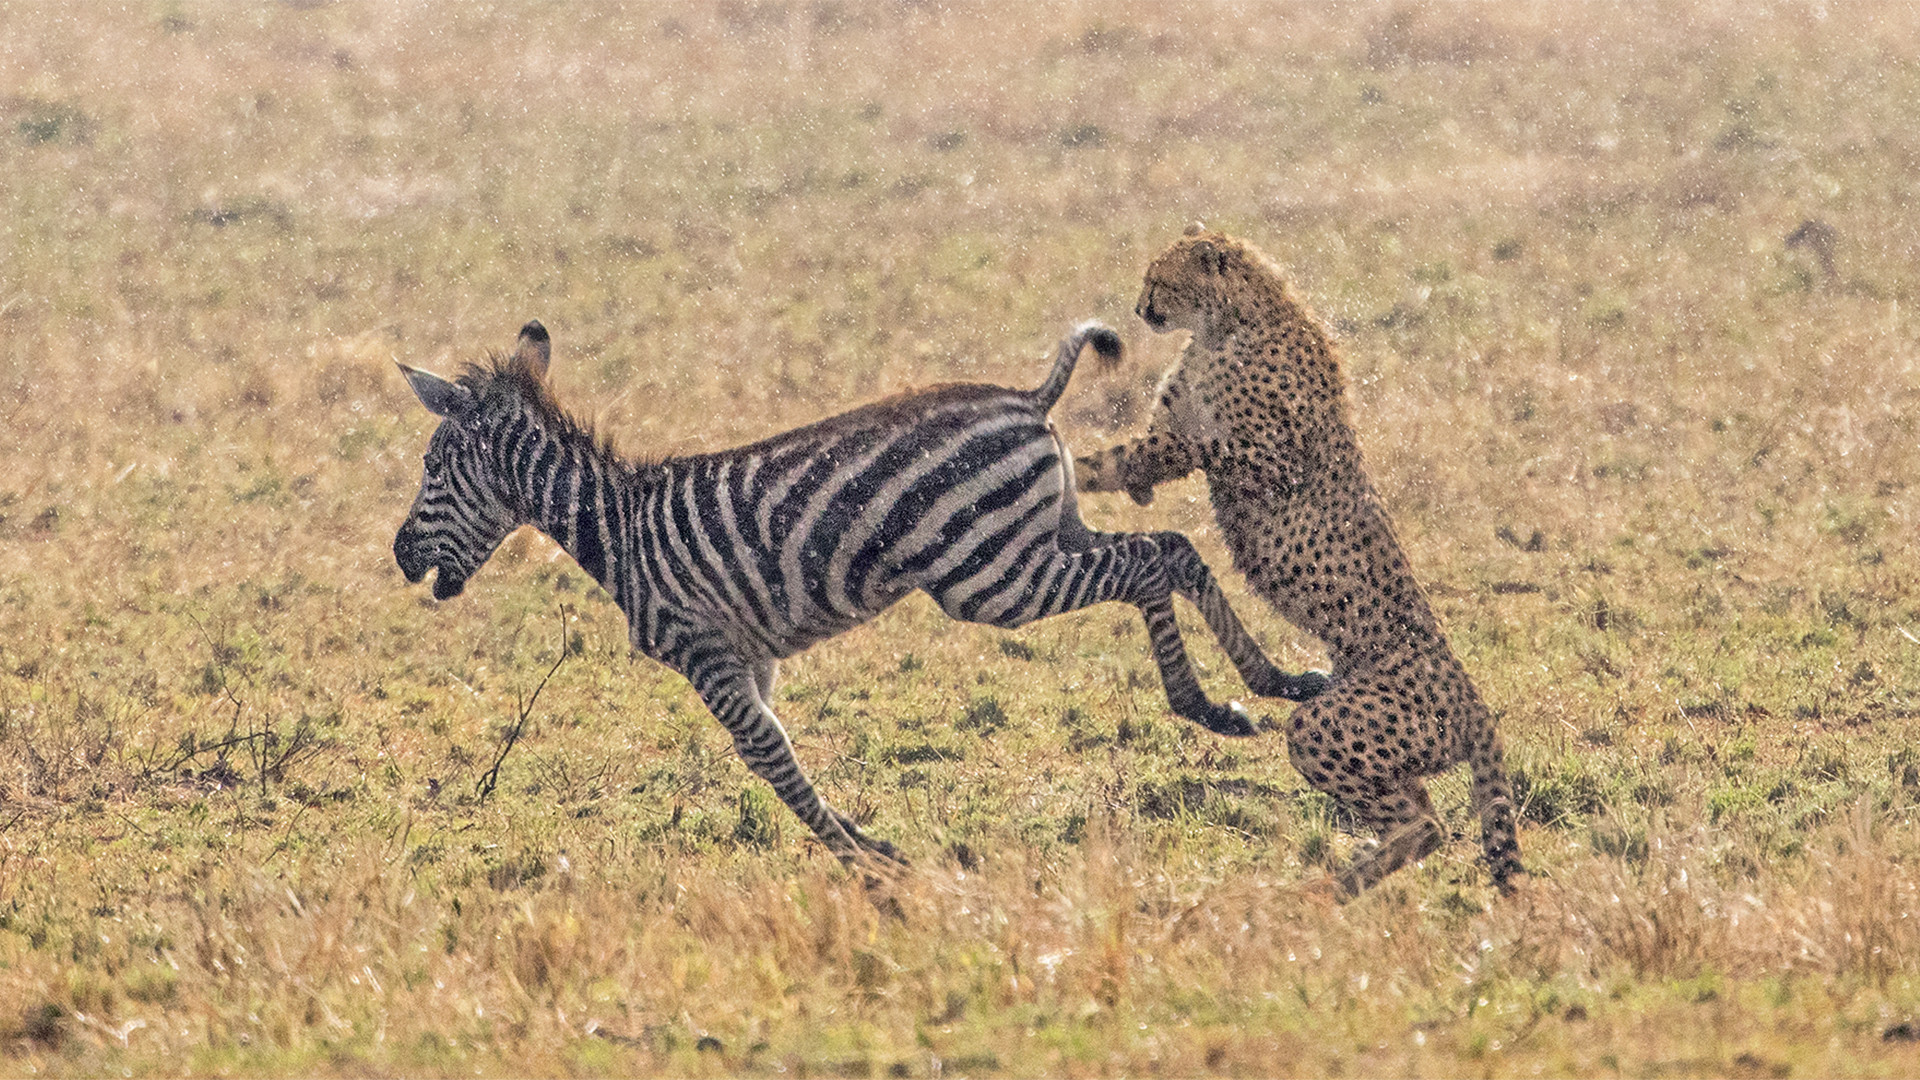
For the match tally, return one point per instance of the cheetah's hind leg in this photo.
(1409, 831)
(1408, 843)
(1493, 802)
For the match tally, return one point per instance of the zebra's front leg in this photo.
(736, 693)
(765, 674)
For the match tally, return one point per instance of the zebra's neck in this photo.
(577, 493)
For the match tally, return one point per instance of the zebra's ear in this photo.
(442, 398)
(535, 349)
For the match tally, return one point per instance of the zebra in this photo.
(727, 563)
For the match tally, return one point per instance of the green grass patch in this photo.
(1653, 462)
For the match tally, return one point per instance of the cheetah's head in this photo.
(1201, 277)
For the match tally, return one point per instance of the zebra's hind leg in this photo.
(1189, 576)
(1091, 569)
(1184, 694)
(735, 692)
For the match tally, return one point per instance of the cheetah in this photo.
(1258, 402)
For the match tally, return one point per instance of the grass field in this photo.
(1657, 467)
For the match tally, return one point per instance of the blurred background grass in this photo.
(1655, 463)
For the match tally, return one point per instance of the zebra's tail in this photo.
(1106, 345)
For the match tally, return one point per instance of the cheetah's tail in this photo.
(1106, 345)
(1493, 802)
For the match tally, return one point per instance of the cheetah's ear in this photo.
(535, 349)
(1210, 257)
(1195, 229)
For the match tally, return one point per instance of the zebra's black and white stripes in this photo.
(725, 563)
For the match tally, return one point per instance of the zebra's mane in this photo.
(515, 377)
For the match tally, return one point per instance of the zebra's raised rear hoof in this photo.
(1231, 720)
(1306, 686)
(882, 870)
(1301, 687)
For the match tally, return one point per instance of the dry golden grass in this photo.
(1655, 465)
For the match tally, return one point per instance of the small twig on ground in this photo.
(491, 777)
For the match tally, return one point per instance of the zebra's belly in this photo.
(784, 635)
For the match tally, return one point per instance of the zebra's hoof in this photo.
(1231, 720)
(1348, 887)
(866, 849)
(1301, 687)
(880, 851)
(1306, 686)
(885, 901)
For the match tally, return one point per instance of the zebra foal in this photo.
(725, 563)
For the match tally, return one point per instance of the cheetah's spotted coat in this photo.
(1258, 402)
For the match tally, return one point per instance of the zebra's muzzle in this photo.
(447, 585)
(408, 555)
(415, 563)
